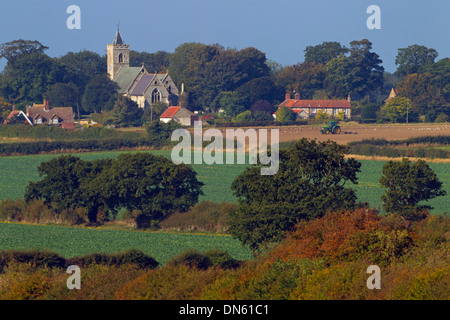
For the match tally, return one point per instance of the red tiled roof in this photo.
(170, 112)
(320, 104)
(13, 114)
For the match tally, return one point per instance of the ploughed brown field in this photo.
(357, 132)
(360, 132)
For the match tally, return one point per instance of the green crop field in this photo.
(74, 241)
(17, 172)
(368, 188)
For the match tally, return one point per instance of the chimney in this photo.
(297, 96)
(349, 99)
(46, 105)
(288, 96)
(13, 107)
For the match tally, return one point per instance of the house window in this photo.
(55, 121)
(313, 110)
(39, 121)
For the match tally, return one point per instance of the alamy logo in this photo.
(214, 152)
(74, 281)
(374, 21)
(74, 21)
(374, 281)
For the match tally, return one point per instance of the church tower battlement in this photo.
(118, 55)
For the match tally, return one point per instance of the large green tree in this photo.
(27, 77)
(305, 78)
(310, 181)
(64, 95)
(157, 62)
(357, 74)
(64, 185)
(208, 70)
(17, 48)
(414, 59)
(231, 103)
(324, 52)
(407, 185)
(83, 65)
(99, 95)
(153, 185)
(125, 113)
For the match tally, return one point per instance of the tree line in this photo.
(239, 82)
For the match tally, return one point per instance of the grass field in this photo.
(74, 241)
(16, 172)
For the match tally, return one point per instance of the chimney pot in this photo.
(297, 96)
(288, 96)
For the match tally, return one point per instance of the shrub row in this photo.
(37, 212)
(206, 216)
(418, 152)
(7, 149)
(442, 140)
(399, 148)
(260, 123)
(48, 259)
(56, 133)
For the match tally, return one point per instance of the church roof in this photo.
(145, 81)
(125, 78)
(142, 85)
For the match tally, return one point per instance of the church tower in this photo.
(118, 55)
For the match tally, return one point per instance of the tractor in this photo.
(332, 128)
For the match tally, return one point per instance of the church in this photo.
(135, 82)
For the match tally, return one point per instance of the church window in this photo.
(156, 97)
(169, 89)
(120, 58)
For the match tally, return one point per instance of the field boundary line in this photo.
(384, 158)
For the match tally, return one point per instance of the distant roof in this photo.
(125, 78)
(65, 113)
(176, 112)
(300, 104)
(17, 113)
(170, 112)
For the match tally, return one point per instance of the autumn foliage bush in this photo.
(323, 259)
(346, 236)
